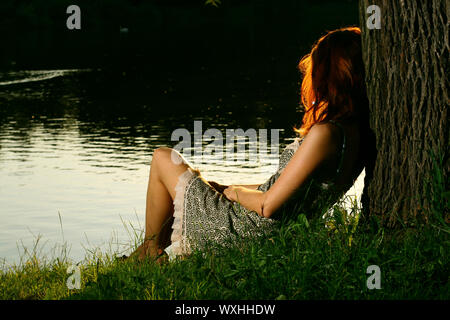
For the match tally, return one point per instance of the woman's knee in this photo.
(160, 153)
(164, 155)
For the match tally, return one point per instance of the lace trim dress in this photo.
(203, 216)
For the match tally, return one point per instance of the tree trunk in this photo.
(406, 64)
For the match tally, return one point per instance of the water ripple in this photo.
(15, 77)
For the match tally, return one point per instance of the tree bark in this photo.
(406, 63)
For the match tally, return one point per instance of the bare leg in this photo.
(164, 175)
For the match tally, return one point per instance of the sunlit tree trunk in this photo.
(406, 63)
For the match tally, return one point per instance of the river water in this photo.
(75, 149)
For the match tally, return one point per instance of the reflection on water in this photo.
(15, 77)
(79, 145)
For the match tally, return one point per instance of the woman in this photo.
(314, 171)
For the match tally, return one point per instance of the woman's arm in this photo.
(249, 198)
(317, 146)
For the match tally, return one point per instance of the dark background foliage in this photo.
(169, 34)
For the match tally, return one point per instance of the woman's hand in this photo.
(231, 193)
(250, 199)
(217, 186)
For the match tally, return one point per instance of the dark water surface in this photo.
(77, 144)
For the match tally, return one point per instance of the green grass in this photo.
(303, 260)
(325, 258)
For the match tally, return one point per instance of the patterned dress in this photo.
(203, 216)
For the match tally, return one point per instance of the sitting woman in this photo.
(314, 171)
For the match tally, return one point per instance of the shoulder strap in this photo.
(344, 142)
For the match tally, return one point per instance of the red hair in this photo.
(333, 85)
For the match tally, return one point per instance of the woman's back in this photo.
(347, 162)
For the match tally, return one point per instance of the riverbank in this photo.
(304, 260)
